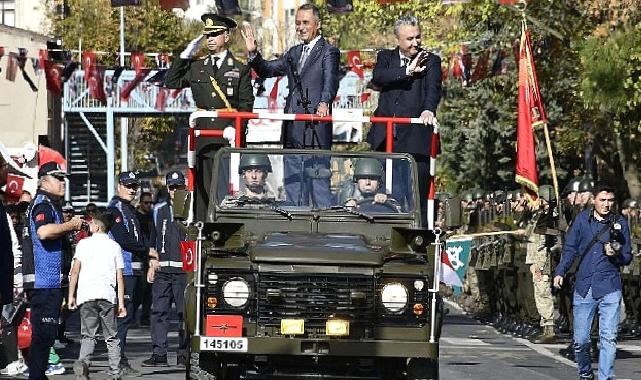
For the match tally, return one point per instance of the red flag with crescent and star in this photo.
(530, 115)
(188, 254)
(14, 186)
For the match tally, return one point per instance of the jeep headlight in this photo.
(236, 292)
(394, 297)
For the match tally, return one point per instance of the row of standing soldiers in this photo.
(517, 244)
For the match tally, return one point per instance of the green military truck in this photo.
(312, 264)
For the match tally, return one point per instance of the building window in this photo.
(8, 12)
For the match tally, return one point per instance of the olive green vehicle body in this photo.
(318, 256)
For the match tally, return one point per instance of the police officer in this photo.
(218, 81)
(44, 237)
(127, 233)
(168, 280)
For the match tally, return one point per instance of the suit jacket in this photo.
(319, 79)
(405, 96)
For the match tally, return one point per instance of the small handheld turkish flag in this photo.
(14, 186)
(188, 253)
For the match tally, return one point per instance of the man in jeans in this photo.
(600, 239)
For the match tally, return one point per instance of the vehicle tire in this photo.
(423, 369)
(194, 370)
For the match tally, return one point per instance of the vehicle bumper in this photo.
(332, 347)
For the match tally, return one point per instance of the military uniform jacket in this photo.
(6, 259)
(233, 78)
(167, 237)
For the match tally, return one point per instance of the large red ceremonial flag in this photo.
(531, 114)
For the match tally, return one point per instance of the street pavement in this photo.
(469, 350)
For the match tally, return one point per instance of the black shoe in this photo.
(182, 361)
(568, 352)
(155, 361)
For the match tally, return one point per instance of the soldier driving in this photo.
(218, 81)
(253, 170)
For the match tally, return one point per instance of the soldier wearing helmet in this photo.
(367, 180)
(585, 192)
(253, 169)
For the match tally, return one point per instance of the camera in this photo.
(616, 236)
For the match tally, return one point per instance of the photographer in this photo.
(600, 239)
(410, 82)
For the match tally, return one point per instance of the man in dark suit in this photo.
(410, 83)
(312, 73)
(218, 81)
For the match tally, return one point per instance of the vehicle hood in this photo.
(316, 248)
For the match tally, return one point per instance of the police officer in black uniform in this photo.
(44, 238)
(218, 81)
(127, 233)
(168, 279)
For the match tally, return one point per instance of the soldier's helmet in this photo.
(467, 196)
(586, 185)
(572, 186)
(630, 203)
(546, 192)
(368, 168)
(499, 196)
(479, 195)
(254, 160)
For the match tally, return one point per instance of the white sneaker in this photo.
(55, 369)
(14, 368)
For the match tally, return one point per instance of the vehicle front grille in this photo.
(315, 298)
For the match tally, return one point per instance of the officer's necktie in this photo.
(214, 63)
(405, 62)
(303, 57)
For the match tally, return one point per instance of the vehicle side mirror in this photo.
(181, 204)
(453, 216)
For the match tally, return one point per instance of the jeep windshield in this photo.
(290, 182)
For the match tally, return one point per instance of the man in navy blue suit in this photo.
(409, 79)
(312, 73)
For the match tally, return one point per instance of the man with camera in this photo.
(600, 239)
(409, 79)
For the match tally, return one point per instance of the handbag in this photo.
(25, 331)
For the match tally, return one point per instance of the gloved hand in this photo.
(229, 134)
(192, 48)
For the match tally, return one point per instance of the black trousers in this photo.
(167, 288)
(125, 323)
(45, 312)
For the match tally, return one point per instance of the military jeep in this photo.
(311, 274)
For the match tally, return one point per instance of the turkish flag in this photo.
(88, 62)
(272, 100)
(161, 99)
(530, 114)
(43, 55)
(354, 62)
(126, 90)
(12, 67)
(14, 186)
(1, 51)
(188, 254)
(137, 61)
(53, 73)
(96, 83)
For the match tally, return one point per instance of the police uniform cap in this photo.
(216, 23)
(546, 192)
(175, 178)
(128, 178)
(252, 160)
(67, 207)
(51, 168)
(368, 167)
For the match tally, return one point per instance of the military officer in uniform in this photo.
(218, 81)
(169, 281)
(368, 176)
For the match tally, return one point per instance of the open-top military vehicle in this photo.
(288, 285)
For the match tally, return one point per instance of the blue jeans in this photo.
(584, 310)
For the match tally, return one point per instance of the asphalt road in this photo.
(469, 350)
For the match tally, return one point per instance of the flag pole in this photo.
(555, 181)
